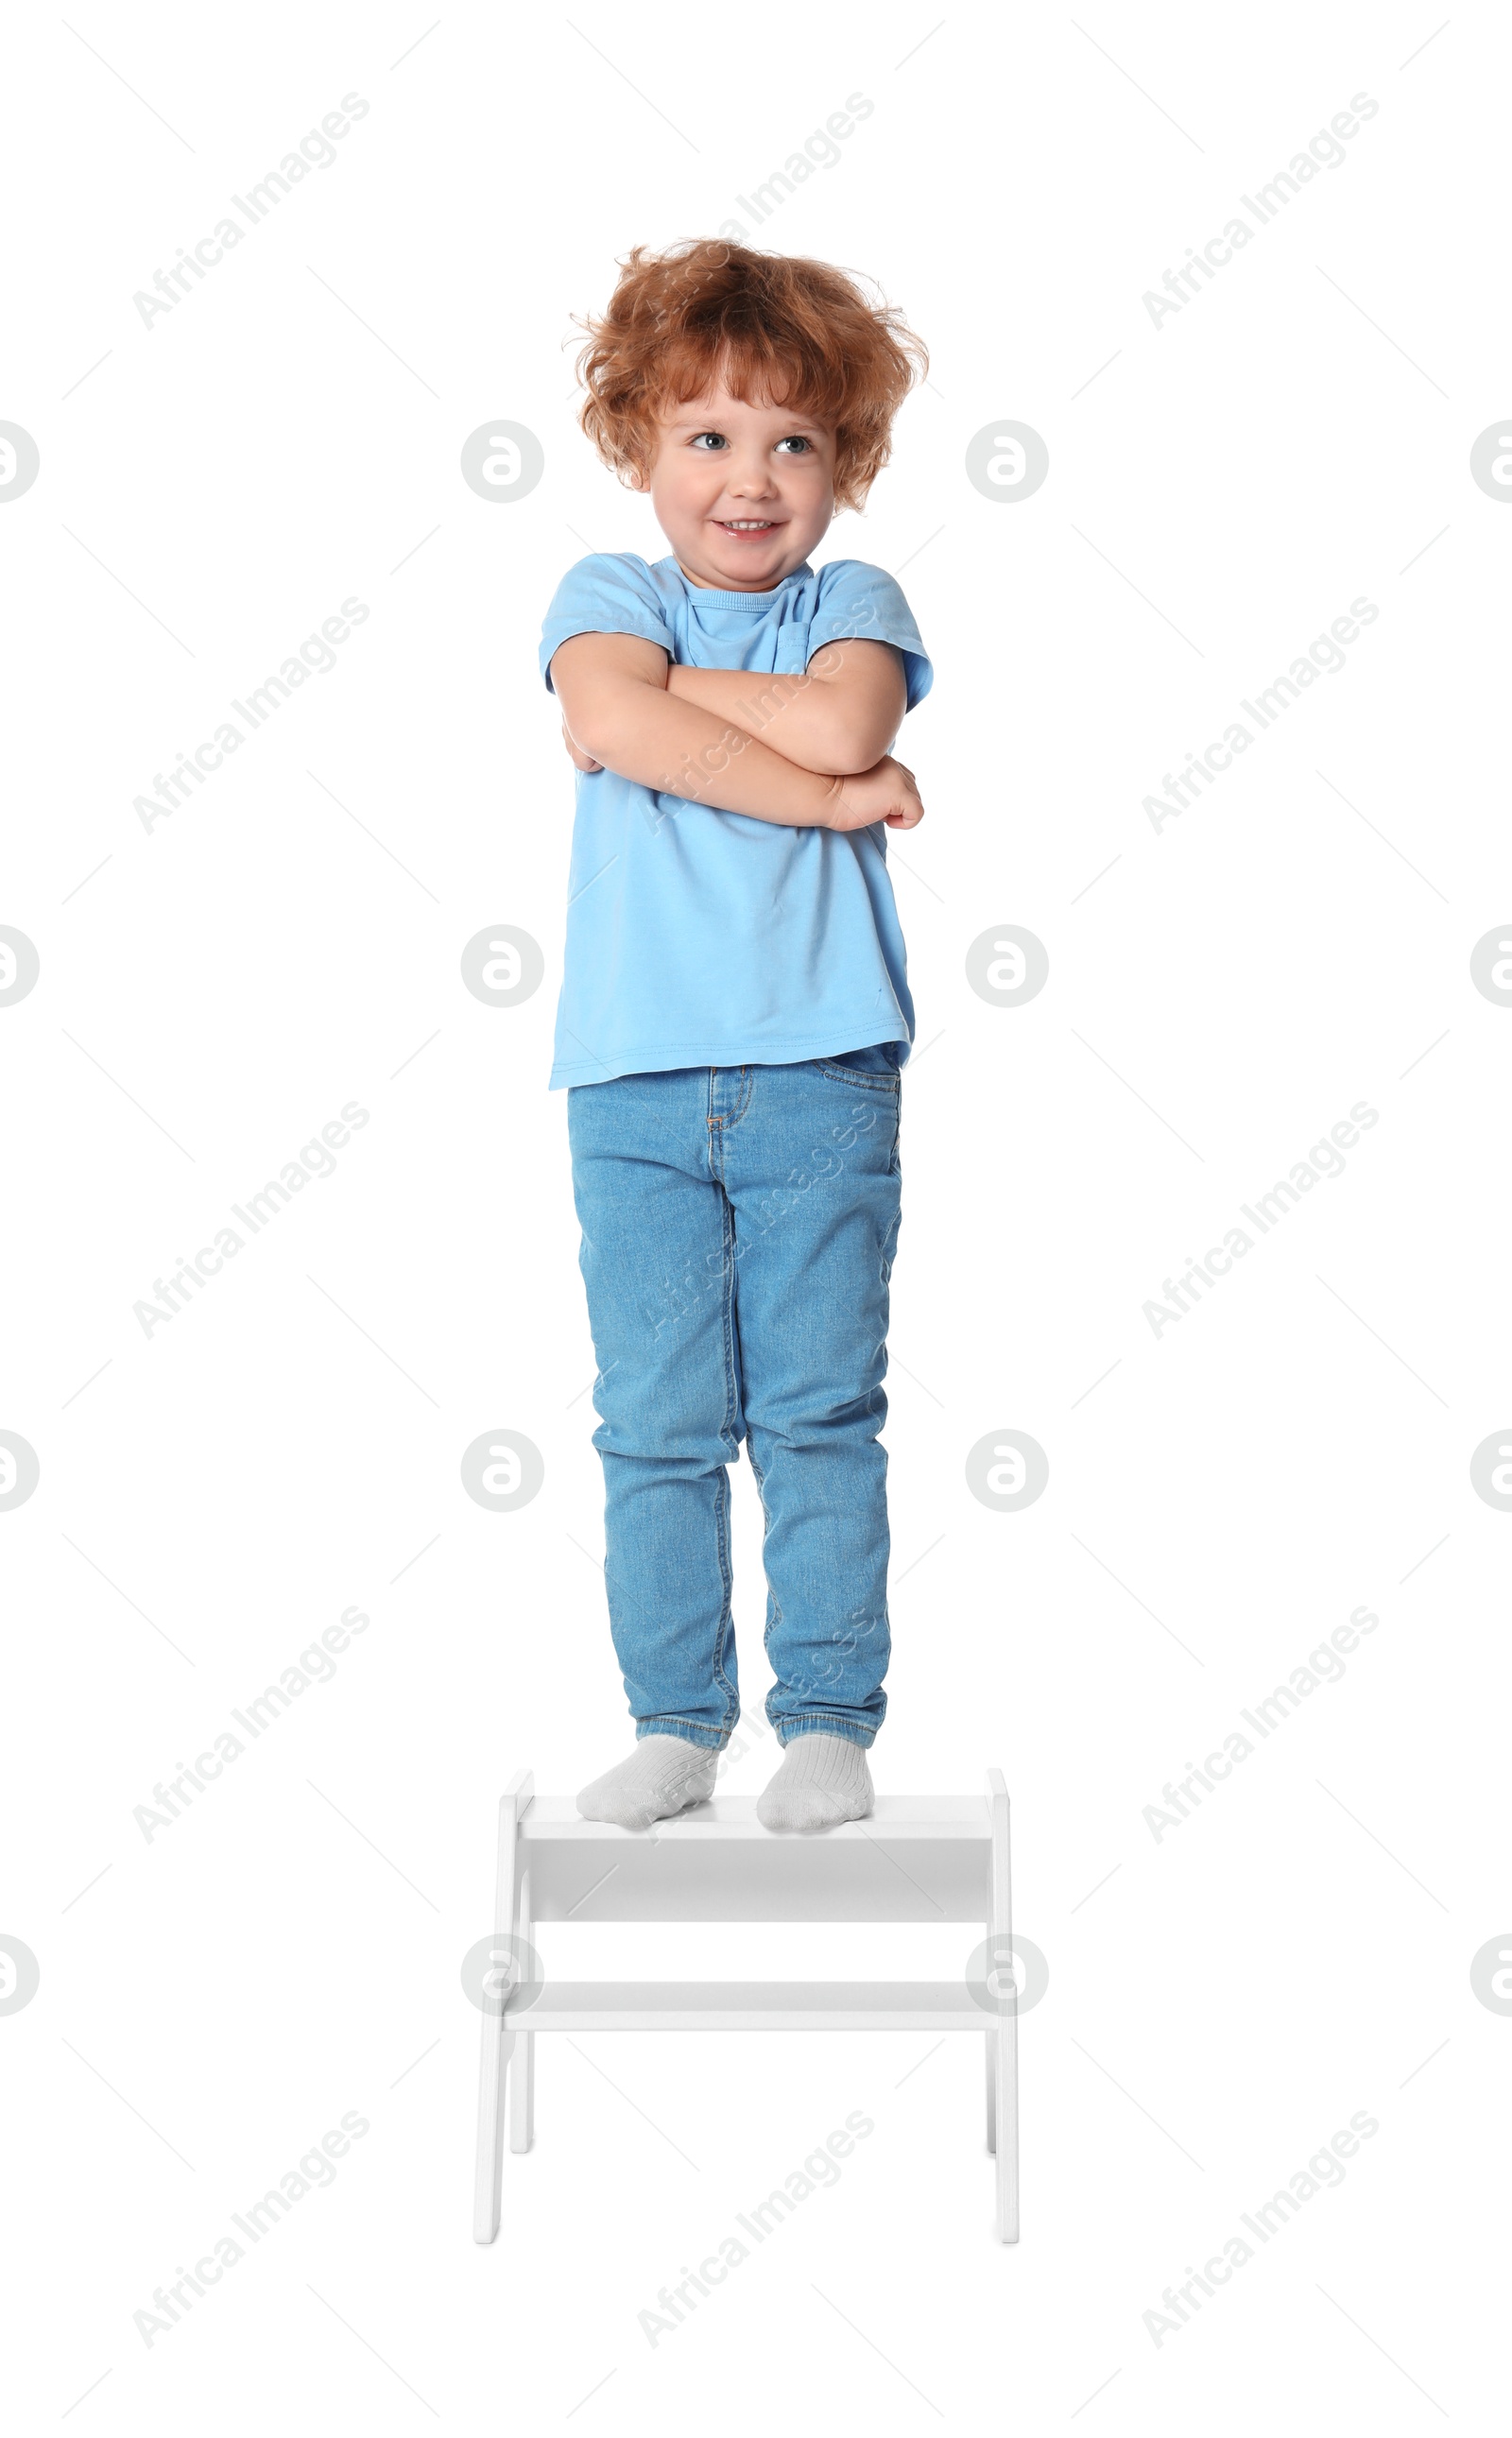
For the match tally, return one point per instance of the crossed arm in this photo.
(801, 751)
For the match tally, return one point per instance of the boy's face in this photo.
(742, 492)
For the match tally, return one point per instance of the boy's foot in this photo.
(663, 1774)
(823, 1780)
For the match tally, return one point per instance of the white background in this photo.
(1221, 992)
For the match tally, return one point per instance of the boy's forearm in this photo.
(787, 714)
(799, 715)
(664, 740)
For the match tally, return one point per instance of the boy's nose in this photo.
(750, 483)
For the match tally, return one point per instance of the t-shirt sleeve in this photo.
(607, 593)
(867, 602)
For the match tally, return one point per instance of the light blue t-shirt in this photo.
(697, 937)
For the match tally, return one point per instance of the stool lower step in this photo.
(749, 2007)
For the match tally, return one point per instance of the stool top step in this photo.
(953, 1818)
(914, 1858)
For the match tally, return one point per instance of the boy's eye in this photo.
(796, 441)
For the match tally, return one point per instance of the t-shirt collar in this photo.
(754, 603)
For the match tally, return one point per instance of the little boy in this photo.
(734, 1010)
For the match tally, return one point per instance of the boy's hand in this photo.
(581, 760)
(887, 792)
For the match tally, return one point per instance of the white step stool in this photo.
(914, 1858)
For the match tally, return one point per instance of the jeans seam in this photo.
(688, 1731)
(727, 1615)
(727, 1612)
(823, 1722)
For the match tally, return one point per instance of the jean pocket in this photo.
(874, 1067)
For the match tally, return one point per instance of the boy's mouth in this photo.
(746, 529)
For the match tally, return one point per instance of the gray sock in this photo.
(663, 1774)
(823, 1780)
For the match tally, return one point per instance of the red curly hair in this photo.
(781, 328)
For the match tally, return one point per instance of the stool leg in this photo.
(490, 2159)
(496, 2043)
(1005, 2036)
(1006, 2110)
(522, 2063)
(992, 2091)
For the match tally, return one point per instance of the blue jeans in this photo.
(738, 1233)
